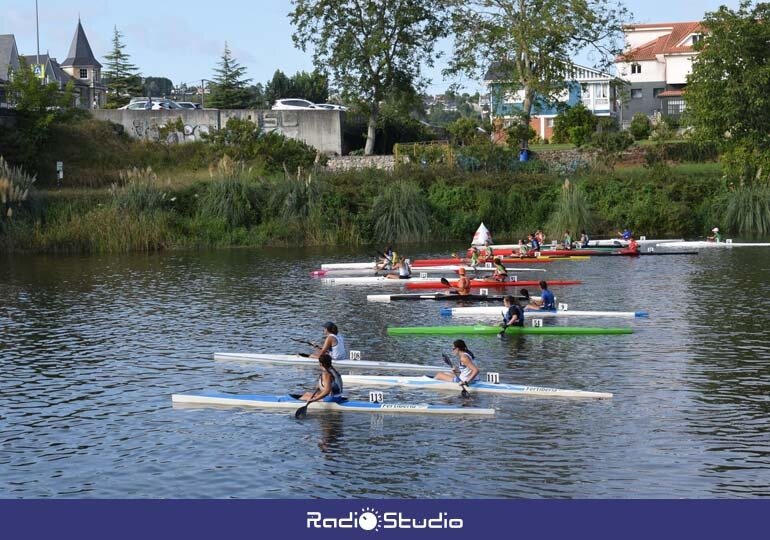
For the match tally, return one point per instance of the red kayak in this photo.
(569, 252)
(458, 260)
(476, 283)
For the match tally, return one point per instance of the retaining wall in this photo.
(320, 129)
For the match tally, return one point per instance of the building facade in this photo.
(9, 62)
(655, 66)
(593, 88)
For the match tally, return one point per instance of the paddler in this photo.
(584, 239)
(489, 253)
(567, 241)
(717, 237)
(387, 259)
(514, 314)
(474, 257)
(534, 243)
(333, 345)
(523, 250)
(329, 383)
(547, 301)
(466, 371)
(404, 270)
(463, 284)
(626, 234)
(500, 273)
(633, 245)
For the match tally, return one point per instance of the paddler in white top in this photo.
(466, 371)
(404, 270)
(333, 345)
(329, 383)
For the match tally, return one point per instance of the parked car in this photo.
(156, 105)
(293, 104)
(189, 105)
(330, 107)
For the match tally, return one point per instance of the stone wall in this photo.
(347, 163)
(320, 129)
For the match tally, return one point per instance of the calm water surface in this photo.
(91, 349)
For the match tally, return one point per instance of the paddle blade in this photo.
(464, 393)
(301, 412)
(446, 360)
(445, 282)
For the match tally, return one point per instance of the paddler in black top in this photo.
(329, 383)
(514, 315)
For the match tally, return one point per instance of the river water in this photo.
(91, 349)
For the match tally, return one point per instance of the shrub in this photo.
(15, 188)
(400, 214)
(640, 126)
(748, 209)
(576, 120)
(234, 202)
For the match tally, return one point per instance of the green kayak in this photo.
(489, 330)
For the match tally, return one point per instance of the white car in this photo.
(293, 104)
(331, 107)
(159, 105)
(188, 105)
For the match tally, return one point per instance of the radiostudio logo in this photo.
(370, 519)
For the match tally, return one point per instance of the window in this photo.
(675, 107)
(636, 68)
(656, 91)
(636, 93)
(549, 122)
(83, 73)
(697, 38)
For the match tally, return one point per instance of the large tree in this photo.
(229, 89)
(370, 47)
(120, 75)
(530, 44)
(728, 102)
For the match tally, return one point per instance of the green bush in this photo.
(400, 214)
(233, 202)
(640, 126)
(578, 119)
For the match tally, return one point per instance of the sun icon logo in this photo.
(369, 520)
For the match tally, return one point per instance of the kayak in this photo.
(476, 283)
(370, 280)
(466, 261)
(606, 242)
(297, 360)
(595, 252)
(704, 244)
(441, 297)
(444, 269)
(429, 383)
(496, 312)
(491, 330)
(291, 402)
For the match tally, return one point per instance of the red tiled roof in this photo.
(666, 44)
(671, 93)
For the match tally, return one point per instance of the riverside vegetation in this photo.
(245, 188)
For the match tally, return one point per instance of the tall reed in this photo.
(572, 212)
(400, 214)
(748, 209)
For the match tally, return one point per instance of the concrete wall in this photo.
(678, 68)
(320, 129)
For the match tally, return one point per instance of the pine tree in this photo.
(229, 89)
(120, 76)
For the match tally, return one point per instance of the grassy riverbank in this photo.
(234, 205)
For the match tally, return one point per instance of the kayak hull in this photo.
(441, 297)
(289, 402)
(479, 283)
(496, 311)
(296, 360)
(701, 244)
(429, 383)
(512, 330)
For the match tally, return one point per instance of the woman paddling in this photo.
(333, 345)
(500, 273)
(329, 383)
(463, 284)
(404, 270)
(466, 371)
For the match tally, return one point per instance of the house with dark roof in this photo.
(593, 88)
(655, 65)
(51, 71)
(9, 61)
(86, 72)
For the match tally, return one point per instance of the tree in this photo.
(640, 126)
(530, 43)
(157, 86)
(465, 131)
(370, 47)
(229, 87)
(120, 75)
(313, 86)
(278, 87)
(727, 102)
(573, 124)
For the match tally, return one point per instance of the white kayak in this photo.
(297, 360)
(441, 297)
(430, 383)
(497, 312)
(697, 244)
(291, 402)
(416, 271)
(371, 280)
(606, 242)
(350, 266)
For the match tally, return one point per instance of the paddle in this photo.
(505, 326)
(302, 411)
(306, 342)
(445, 282)
(464, 393)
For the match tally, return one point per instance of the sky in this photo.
(184, 40)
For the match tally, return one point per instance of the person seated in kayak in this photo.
(463, 284)
(329, 383)
(404, 270)
(633, 245)
(540, 236)
(500, 273)
(547, 301)
(626, 234)
(333, 345)
(717, 237)
(474, 257)
(523, 250)
(489, 253)
(534, 243)
(513, 315)
(584, 239)
(467, 370)
(567, 241)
